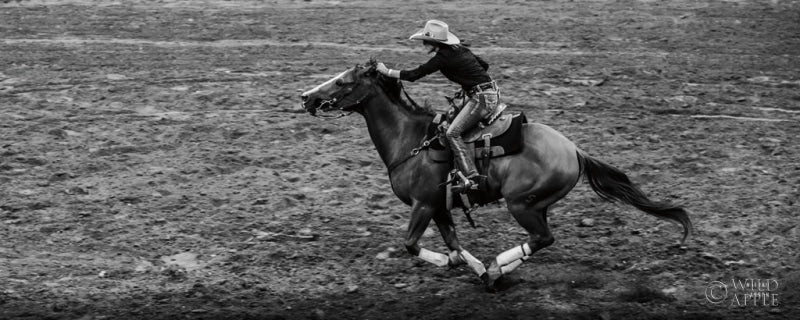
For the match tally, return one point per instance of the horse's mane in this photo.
(394, 90)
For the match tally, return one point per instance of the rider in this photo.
(461, 66)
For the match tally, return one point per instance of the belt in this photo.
(483, 87)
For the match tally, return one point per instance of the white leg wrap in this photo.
(473, 263)
(506, 269)
(433, 257)
(513, 254)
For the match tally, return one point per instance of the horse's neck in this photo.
(394, 130)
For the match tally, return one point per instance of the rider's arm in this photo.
(433, 65)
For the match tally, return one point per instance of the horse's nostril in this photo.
(304, 97)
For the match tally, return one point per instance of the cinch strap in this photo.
(487, 152)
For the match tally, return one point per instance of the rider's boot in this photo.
(471, 180)
(466, 119)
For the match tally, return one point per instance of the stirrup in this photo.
(478, 182)
(473, 183)
(462, 187)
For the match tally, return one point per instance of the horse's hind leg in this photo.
(532, 217)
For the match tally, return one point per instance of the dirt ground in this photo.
(155, 162)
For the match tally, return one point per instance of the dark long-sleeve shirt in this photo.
(457, 63)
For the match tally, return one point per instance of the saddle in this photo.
(497, 124)
(500, 138)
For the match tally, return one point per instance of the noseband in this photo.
(319, 113)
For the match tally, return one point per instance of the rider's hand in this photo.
(386, 71)
(382, 68)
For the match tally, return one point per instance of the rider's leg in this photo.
(472, 113)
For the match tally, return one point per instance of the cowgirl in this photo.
(461, 66)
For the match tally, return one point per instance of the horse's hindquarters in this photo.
(547, 165)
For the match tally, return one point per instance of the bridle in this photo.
(319, 113)
(341, 97)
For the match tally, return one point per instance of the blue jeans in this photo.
(478, 106)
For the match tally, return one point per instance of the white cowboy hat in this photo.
(436, 30)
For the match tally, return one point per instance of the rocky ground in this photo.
(155, 162)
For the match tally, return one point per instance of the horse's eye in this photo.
(339, 82)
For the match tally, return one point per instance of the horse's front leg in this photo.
(458, 256)
(421, 214)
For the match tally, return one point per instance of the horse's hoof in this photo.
(488, 282)
(500, 284)
(490, 279)
(455, 259)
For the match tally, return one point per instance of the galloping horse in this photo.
(547, 168)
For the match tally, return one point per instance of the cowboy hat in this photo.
(436, 30)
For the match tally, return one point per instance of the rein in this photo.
(413, 103)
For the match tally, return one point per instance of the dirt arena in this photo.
(155, 162)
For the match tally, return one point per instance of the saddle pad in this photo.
(506, 143)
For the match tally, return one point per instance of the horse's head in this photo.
(344, 92)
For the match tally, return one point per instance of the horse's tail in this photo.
(613, 185)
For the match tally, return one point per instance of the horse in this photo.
(548, 167)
